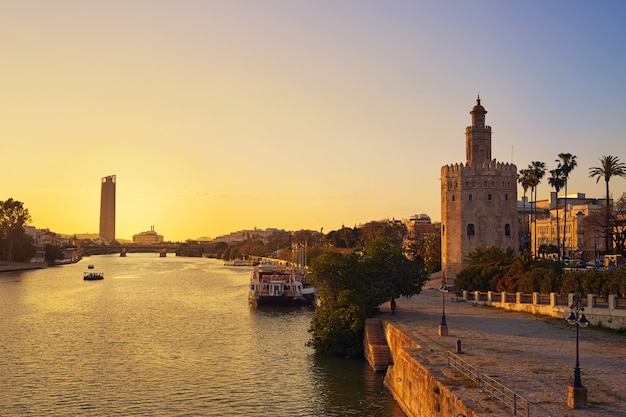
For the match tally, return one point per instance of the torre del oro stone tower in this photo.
(478, 199)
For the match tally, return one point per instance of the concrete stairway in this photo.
(377, 351)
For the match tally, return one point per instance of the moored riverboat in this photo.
(273, 283)
(239, 262)
(93, 276)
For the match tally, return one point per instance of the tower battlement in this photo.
(491, 165)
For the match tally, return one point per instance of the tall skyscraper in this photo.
(107, 208)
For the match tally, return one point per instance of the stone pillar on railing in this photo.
(489, 297)
(591, 301)
(535, 298)
(570, 299)
(553, 297)
(503, 297)
(476, 296)
(518, 298)
(464, 295)
(612, 301)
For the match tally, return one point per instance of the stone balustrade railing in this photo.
(606, 311)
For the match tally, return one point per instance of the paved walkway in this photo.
(532, 355)
(20, 266)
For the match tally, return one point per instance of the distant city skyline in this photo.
(224, 116)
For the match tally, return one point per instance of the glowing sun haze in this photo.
(217, 116)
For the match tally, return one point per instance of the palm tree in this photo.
(567, 163)
(538, 170)
(526, 181)
(557, 181)
(610, 166)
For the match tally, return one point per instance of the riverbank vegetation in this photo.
(496, 269)
(15, 244)
(351, 287)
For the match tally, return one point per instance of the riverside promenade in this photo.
(21, 266)
(531, 355)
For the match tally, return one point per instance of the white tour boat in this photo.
(275, 283)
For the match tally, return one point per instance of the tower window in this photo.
(489, 197)
(506, 197)
(470, 229)
(453, 198)
(507, 229)
(470, 197)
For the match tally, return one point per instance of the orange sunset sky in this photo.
(218, 116)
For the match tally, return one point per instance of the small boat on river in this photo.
(93, 276)
(90, 266)
(273, 283)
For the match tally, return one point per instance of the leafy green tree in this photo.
(337, 327)
(343, 238)
(390, 273)
(428, 248)
(53, 253)
(391, 230)
(610, 166)
(352, 286)
(15, 244)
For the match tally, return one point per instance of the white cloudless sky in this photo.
(218, 116)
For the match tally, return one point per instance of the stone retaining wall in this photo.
(417, 387)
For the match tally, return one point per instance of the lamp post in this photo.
(443, 328)
(577, 393)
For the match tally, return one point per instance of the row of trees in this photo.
(529, 178)
(497, 269)
(15, 244)
(280, 244)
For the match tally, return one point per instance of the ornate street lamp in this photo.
(577, 393)
(443, 328)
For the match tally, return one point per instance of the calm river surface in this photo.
(165, 337)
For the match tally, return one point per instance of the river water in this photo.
(166, 337)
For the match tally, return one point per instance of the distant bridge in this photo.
(161, 248)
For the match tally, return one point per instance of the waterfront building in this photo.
(148, 237)
(478, 199)
(584, 231)
(107, 209)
